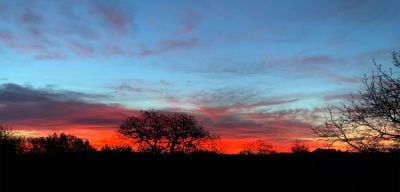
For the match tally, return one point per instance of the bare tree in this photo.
(158, 131)
(258, 147)
(370, 121)
(148, 130)
(299, 147)
(184, 132)
(6, 133)
(9, 141)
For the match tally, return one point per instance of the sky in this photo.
(248, 70)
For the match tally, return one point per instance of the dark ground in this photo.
(138, 172)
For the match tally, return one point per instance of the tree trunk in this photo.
(172, 148)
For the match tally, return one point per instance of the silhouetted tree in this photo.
(322, 150)
(299, 147)
(210, 144)
(259, 147)
(158, 131)
(10, 143)
(59, 143)
(148, 129)
(184, 132)
(371, 120)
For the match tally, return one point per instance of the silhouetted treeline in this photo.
(11, 143)
(61, 161)
(57, 143)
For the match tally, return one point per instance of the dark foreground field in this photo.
(138, 172)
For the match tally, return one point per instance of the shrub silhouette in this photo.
(299, 147)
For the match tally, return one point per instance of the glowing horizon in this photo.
(247, 70)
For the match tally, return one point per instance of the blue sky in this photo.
(246, 57)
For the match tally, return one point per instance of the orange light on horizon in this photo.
(102, 137)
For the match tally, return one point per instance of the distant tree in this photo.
(322, 150)
(211, 144)
(370, 121)
(59, 143)
(6, 133)
(10, 143)
(158, 131)
(299, 147)
(258, 147)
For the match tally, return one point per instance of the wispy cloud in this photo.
(169, 45)
(237, 98)
(276, 125)
(65, 28)
(115, 50)
(318, 59)
(76, 29)
(190, 20)
(50, 56)
(10, 41)
(342, 79)
(6, 37)
(342, 97)
(31, 17)
(125, 87)
(113, 17)
(81, 49)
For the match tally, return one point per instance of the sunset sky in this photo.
(247, 69)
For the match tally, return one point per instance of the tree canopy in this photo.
(162, 131)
